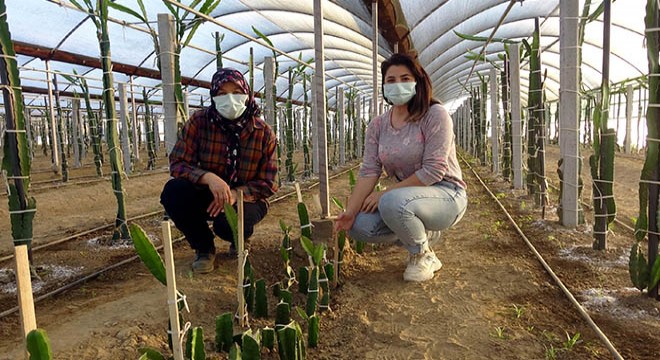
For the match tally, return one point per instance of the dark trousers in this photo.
(186, 205)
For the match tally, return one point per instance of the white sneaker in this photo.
(433, 236)
(421, 266)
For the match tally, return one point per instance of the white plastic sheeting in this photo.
(442, 52)
(289, 25)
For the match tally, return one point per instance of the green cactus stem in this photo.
(224, 332)
(261, 306)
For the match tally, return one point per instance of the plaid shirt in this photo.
(201, 147)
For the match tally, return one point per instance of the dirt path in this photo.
(491, 299)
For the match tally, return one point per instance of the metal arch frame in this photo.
(457, 72)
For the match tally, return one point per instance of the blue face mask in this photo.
(399, 93)
(230, 106)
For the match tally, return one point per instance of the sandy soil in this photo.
(491, 300)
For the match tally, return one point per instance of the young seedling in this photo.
(551, 353)
(571, 341)
(499, 332)
(519, 310)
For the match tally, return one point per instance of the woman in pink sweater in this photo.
(414, 143)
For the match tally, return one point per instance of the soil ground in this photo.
(491, 300)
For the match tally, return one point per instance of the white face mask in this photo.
(230, 106)
(399, 93)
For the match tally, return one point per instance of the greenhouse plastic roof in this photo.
(289, 25)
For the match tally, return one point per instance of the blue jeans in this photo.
(405, 214)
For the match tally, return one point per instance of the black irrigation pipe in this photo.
(548, 269)
(133, 258)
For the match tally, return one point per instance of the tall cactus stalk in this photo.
(149, 128)
(536, 181)
(506, 143)
(307, 159)
(93, 129)
(112, 136)
(290, 168)
(483, 90)
(16, 152)
(218, 49)
(60, 132)
(602, 161)
(649, 187)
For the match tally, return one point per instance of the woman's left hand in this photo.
(370, 204)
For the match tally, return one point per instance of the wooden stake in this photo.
(24, 290)
(172, 305)
(242, 313)
(298, 192)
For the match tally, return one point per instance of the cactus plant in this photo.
(224, 332)
(235, 352)
(268, 338)
(313, 331)
(289, 342)
(261, 300)
(38, 345)
(303, 279)
(312, 292)
(250, 345)
(282, 314)
(16, 152)
(197, 342)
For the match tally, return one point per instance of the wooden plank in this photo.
(242, 313)
(24, 290)
(172, 306)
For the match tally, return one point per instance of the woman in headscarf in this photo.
(222, 149)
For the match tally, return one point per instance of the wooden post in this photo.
(342, 127)
(24, 290)
(569, 110)
(123, 118)
(629, 105)
(516, 123)
(172, 299)
(494, 121)
(319, 83)
(186, 108)
(242, 255)
(136, 125)
(166, 42)
(269, 78)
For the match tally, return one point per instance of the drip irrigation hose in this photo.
(126, 261)
(548, 269)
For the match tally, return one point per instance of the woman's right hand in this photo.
(221, 193)
(344, 221)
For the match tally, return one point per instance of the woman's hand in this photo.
(344, 221)
(370, 204)
(221, 193)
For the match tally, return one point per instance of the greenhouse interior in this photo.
(512, 147)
